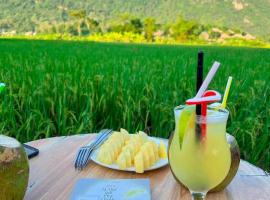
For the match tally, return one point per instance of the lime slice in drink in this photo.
(187, 114)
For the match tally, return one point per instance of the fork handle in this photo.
(97, 145)
(99, 135)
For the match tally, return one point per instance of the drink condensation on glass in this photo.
(199, 163)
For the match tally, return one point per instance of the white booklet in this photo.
(111, 189)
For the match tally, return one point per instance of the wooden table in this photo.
(52, 175)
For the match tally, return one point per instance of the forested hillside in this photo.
(246, 15)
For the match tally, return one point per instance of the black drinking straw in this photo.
(199, 83)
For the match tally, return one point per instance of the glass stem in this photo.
(198, 195)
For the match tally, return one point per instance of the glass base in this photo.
(198, 195)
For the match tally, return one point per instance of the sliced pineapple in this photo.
(150, 151)
(137, 143)
(113, 148)
(128, 158)
(131, 149)
(143, 136)
(135, 146)
(127, 150)
(124, 131)
(118, 145)
(125, 134)
(162, 150)
(155, 149)
(105, 156)
(146, 160)
(121, 161)
(138, 162)
(118, 140)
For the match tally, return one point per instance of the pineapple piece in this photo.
(116, 139)
(129, 152)
(121, 161)
(124, 131)
(131, 148)
(134, 145)
(112, 147)
(116, 144)
(119, 137)
(155, 148)
(126, 142)
(125, 134)
(105, 156)
(146, 160)
(128, 158)
(143, 136)
(100, 153)
(112, 156)
(162, 150)
(113, 138)
(138, 162)
(137, 142)
(151, 153)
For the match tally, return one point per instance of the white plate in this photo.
(159, 164)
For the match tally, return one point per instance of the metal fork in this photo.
(84, 153)
(83, 150)
(91, 150)
(81, 153)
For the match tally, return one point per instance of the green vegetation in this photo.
(88, 17)
(131, 29)
(62, 88)
(249, 15)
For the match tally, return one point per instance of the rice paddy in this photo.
(57, 88)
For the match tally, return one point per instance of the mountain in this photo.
(246, 15)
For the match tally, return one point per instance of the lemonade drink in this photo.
(200, 164)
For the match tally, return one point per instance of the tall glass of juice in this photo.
(200, 163)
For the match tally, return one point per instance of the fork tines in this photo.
(83, 155)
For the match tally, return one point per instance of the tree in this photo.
(71, 28)
(124, 18)
(166, 29)
(127, 24)
(79, 16)
(197, 29)
(183, 29)
(5, 24)
(149, 28)
(92, 25)
(137, 25)
(84, 23)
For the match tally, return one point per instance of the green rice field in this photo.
(57, 88)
